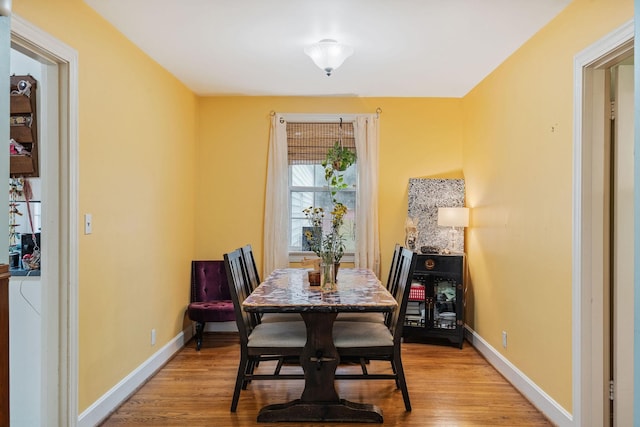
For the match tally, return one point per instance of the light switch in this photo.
(88, 223)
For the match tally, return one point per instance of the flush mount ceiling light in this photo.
(328, 54)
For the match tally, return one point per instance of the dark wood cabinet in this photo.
(23, 128)
(435, 312)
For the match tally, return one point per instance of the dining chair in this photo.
(210, 298)
(280, 341)
(368, 341)
(370, 316)
(253, 280)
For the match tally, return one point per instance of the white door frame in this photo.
(587, 274)
(60, 382)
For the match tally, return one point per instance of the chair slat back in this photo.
(394, 268)
(391, 280)
(238, 287)
(251, 272)
(406, 265)
(250, 265)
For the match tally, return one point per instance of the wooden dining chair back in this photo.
(368, 341)
(239, 290)
(253, 281)
(402, 285)
(391, 286)
(279, 341)
(393, 270)
(252, 275)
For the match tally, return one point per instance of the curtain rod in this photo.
(319, 118)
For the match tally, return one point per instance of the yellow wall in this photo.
(418, 137)
(137, 146)
(518, 170)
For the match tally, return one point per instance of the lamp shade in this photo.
(328, 54)
(453, 217)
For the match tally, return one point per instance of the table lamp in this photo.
(453, 217)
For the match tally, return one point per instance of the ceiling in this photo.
(403, 48)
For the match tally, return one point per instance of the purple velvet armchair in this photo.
(210, 297)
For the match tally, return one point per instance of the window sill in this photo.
(299, 256)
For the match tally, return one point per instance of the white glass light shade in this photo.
(453, 217)
(328, 54)
(5, 7)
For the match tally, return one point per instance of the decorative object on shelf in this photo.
(16, 186)
(411, 234)
(23, 87)
(454, 218)
(328, 54)
(17, 148)
(428, 250)
(329, 247)
(23, 127)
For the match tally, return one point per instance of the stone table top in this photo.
(288, 290)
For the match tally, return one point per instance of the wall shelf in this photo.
(23, 127)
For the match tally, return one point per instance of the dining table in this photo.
(287, 290)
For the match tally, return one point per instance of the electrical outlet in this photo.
(153, 337)
(504, 339)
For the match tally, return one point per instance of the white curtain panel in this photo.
(366, 130)
(276, 215)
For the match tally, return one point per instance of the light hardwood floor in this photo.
(448, 387)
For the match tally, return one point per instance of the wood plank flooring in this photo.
(448, 387)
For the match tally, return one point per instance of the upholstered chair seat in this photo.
(211, 311)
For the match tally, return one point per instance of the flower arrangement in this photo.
(330, 247)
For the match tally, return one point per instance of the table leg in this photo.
(320, 400)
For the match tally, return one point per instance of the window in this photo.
(307, 144)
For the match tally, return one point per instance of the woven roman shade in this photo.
(308, 142)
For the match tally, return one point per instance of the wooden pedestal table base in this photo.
(319, 400)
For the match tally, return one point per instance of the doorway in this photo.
(58, 293)
(603, 315)
(619, 344)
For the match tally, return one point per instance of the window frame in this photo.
(299, 256)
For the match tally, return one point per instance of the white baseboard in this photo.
(538, 398)
(112, 399)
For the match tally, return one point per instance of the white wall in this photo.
(25, 350)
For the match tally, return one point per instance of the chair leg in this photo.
(363, 365)
(199, 331)
(249, 369)
(400, 379)
(240, 381)
(279, 366)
